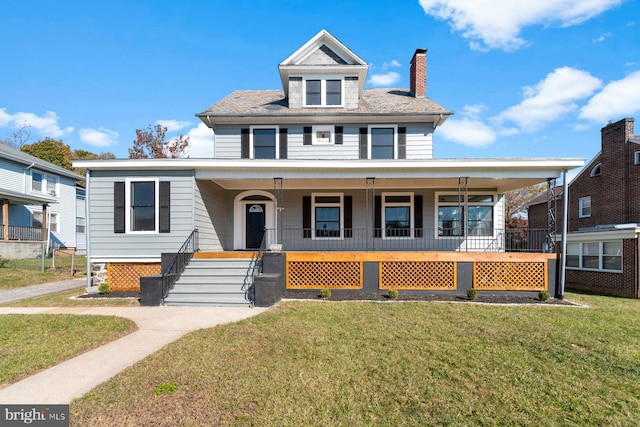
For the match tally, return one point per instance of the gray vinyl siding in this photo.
(12, 176)
(419, 143)
(210, 210)
(66, 210)
(105, 244)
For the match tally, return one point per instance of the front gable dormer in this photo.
(323, 73)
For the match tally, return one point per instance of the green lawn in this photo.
(25, 272)
(390, 364)
(30, 343)
(62, 299)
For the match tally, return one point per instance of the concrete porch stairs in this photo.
(214, 282)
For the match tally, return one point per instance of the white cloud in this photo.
(467, 131)
(100, 137)
(551, 98)
(384, 80)
(173, 125)
(601, 38)
(618, 99)
(496, 24)
(392, 63)
(46, 125)
(200, 142)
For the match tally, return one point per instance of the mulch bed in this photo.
(112, 294)
(486, 299)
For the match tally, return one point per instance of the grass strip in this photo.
(33, 342)
(389, 364)
(25, 272)
(64, 299)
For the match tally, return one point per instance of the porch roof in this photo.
(16, 198)
(498, 174)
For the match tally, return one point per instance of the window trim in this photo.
(313, 214)
(45, 182)
(127, 205)
(596, 170)
(581, 207)
(370, 142)
(601, 255)
(314, 134)
(323, 90)
(384, 204)
(464, 235)
(277, 147)
(50, 215)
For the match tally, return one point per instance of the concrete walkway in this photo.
(33, 291)
(158, 326)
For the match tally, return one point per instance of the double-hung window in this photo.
(584, 207)
(451, 215)
(595, 255)
(142, 205)
(43, 183)
(397, 214)
(264, 143)
(37, 219)
(142, 202)
(382, 142)
(327, 215)
(323, 92)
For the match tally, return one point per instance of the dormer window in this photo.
(323, 92)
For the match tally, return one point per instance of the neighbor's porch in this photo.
(16, 239)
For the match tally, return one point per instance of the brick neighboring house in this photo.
(604, 217)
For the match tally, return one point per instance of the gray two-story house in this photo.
(39, 204)
(339, 180)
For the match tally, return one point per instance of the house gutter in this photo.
(87, 229)
(563, 248)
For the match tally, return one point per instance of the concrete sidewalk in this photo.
(158, 326)
(33, 291)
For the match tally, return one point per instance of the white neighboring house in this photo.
(40, 202)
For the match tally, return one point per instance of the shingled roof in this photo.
(256, 103)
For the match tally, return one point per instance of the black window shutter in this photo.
(306, 217)
(118, 207)
(402, 143)
(417, 216)
(338, 134)
(165, 206)
(306, 140)
(244, 143)
(348, 216)
(377, 216)
(283, 143)
(363, 143)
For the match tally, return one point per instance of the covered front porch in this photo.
(19, 238)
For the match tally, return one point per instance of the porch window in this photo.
(326, 211)
(397, 209)
(451, 215)
(36, 221)
(584, 207)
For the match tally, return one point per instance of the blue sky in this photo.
(524, 78)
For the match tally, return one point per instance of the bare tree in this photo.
(150, 143)
(19, 137)
(516, 200)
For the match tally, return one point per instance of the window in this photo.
(397, 214)
(584, 207)
(323, 92)
(327, 218)
(264, 143)
(597, 170)
(604, 256)
(36, 221)
(80, 225)
(451, 215)
(43, 183)
(322, 135)
(636, 158)
(142, 205)
(382, 143)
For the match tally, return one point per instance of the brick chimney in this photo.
(418, 74)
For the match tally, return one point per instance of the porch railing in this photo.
(22, 233)
(406, 239)
(174, 269)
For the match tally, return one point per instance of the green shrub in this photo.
(393, 293)
(104, 288)
(472, 293)
(544, 295)
(325, 293)
(4, 262)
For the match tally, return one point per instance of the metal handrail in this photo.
(174, 269)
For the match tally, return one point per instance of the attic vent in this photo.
(295, 79)
(351, 78)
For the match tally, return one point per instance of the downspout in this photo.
(563, 248)
(435, 125)
(24, 177)
(87, 229)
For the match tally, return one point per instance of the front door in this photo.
(255, 222)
